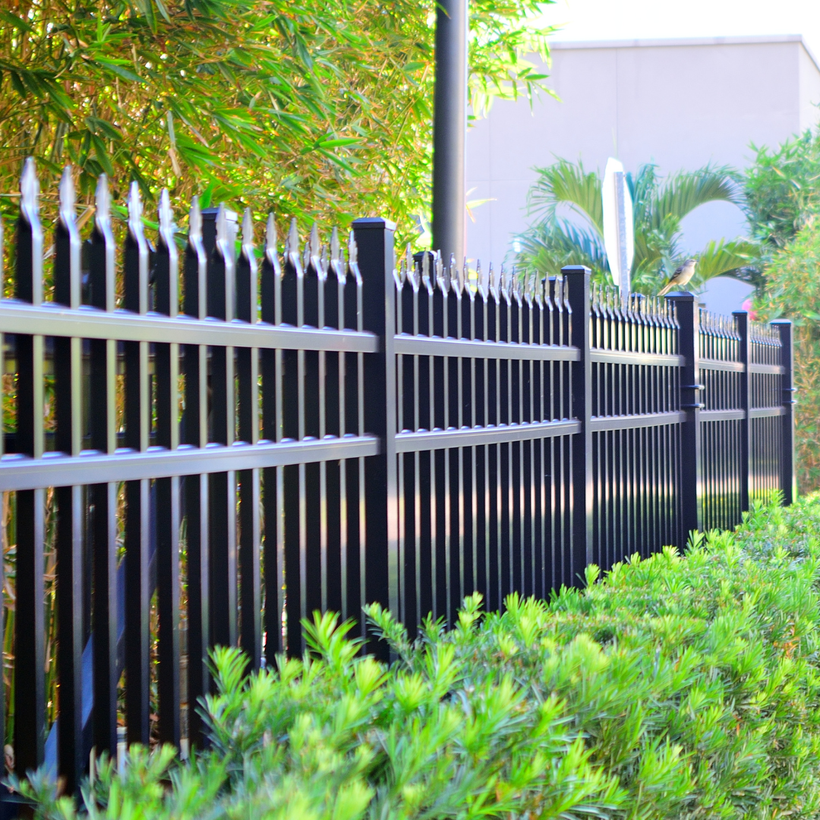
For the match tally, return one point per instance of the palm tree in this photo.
(659, 206)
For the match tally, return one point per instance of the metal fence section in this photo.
(250, 437)
(484, 443)
(724, 430)
(769, 408)
(635, 424)
(174, 430)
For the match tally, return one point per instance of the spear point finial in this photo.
(247, 227)
(134, 203)
(335, 247)
(29, 188)
(164, 212)
(194, 221)
(222, 223)
(103, 200)
(292, 242)
(352, 250)
(271, 239)
(67, 197)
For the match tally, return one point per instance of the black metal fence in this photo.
(256, 437)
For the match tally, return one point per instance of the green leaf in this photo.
(101, 154)
(118, 67)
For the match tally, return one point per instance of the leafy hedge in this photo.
(792, 291)
(781, 188)
(676, 687)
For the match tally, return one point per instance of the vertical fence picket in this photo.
(505, 461)
(292, 313)
(68, 542)
(247, 372)
(312, 509)
(422, 420)
(166, 368)
(29, 706)
(469, 500)
(407, 301)
(455, 495)
(478, 401)
(515, 447)
(222, 491)
(137, 528)
(195, 433)
(744, 397)
(788, 475)
(100, 253)
(271, 367)
(333, 489)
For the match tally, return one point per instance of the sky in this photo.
(643, 19)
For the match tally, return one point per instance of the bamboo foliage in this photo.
(261, 103)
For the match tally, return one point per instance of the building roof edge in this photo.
(672, 42)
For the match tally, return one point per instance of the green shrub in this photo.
(781, 188)
(792, 291)
(677, 687)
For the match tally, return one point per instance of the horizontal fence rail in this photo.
(204, 442)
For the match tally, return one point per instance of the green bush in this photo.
(781, 188)
(792, 291)
(677, 687)
(783, 206)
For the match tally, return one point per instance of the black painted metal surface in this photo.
(255, 438)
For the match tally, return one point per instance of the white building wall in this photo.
(681, 104)
(809, 90)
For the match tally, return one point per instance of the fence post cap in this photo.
(682, 296)
(212, 213)
(780, 322)
(575, 269)
(373, 223)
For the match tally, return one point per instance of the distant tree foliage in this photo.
(783, 194)
(659, 206)
(792, 291)
(316, 109)
(783, 188)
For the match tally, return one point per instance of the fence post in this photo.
(788, 477)
(577, 278)
(374, 240)
(691, 491)
(742, 327)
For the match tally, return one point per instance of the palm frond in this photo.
(642, 188)
(549, 246)
(654, 246)
(566, 183)
(681, 193)
(723, 258)
(659, 205)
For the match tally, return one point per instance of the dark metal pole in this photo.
(788, 475)
(742, 326)
(691, 475)
(577, 278)
(450, 129)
